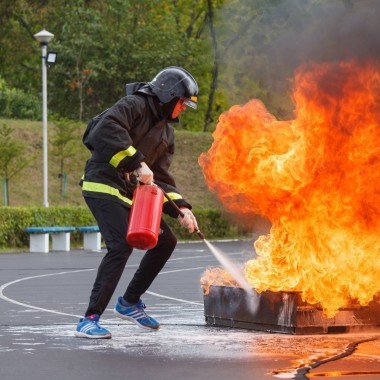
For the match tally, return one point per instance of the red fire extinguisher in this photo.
(145, 217)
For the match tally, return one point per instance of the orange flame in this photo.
(216, 276)
(316, 178)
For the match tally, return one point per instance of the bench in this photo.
(91, 238)
(39, 238)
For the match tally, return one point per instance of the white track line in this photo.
(174, 299)
(5, 298)
(180, 270)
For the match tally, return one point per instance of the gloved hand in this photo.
(144, 174)
(188, 221)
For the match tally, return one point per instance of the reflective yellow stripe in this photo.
(173, 196)
(102, 188)
(115, 160)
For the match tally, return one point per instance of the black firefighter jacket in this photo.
(119, 139)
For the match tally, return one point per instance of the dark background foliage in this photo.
(236, 49)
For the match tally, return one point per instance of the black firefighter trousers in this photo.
(112, 220)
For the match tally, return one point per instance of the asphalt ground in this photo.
(42, 295)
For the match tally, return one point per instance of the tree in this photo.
(236, 49)
(215, 70)
(122, 42)
(114, 43)
(65, 146)
(12, 158)
(233, 24)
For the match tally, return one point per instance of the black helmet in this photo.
(175, 82)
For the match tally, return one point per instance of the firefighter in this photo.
(131, 143)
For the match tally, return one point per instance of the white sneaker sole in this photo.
(125, 317)
(84, 335)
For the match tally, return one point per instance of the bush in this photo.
(15, 103)
(13, 221)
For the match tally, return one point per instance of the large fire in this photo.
(316, 178)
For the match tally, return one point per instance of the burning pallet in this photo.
(315, 179)
(282, 312)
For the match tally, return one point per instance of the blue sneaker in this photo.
(88, 327)
(135, 313)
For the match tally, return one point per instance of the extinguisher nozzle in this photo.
(200, 234)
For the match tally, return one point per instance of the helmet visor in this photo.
(192, 102)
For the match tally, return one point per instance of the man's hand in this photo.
(188, 221)
(144, 174)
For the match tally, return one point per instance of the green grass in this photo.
(26, 188)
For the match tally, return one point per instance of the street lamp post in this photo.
(44, 37)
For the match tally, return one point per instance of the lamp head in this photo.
(43, 37)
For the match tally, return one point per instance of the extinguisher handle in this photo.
(197, 231)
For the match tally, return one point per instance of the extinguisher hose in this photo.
(197, 230)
